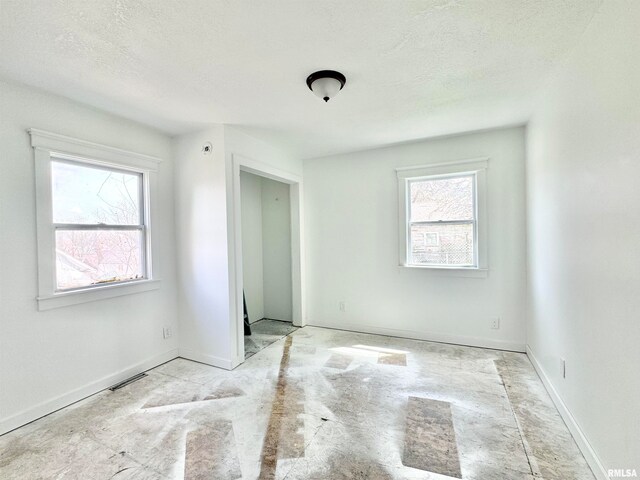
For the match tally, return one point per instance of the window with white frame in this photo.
(442, 216)
(98, 218)
(94, 238)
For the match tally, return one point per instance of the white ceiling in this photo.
(414, 69)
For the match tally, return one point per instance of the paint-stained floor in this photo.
(265, 332)
(318, 404)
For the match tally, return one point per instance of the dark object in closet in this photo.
(247, 327)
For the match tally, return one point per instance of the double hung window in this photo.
(99, 223)
(93, 220)
(442, 216)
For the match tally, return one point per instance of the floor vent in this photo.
(127, 381)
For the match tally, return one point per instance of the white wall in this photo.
(205, 227)
(251, 187)
(276, 245)
(351, 213)
(237, 142)
(52, 358)
(201, 228)
(583, 168)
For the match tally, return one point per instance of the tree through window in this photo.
(98, 218)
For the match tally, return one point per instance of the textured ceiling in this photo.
(414, 68)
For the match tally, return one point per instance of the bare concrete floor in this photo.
(317, 404)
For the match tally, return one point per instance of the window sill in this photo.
(65, 299)
(468, 272)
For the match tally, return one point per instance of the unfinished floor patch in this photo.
(339, 361)
(399, 359)
(225, 390)
(430, 440)
(271, 444)
(211, 453)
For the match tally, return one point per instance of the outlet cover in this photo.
(166, 332)
(495, 323)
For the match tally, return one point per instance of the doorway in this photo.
(268, 252)
(266, 261)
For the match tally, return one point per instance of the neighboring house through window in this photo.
(94, 236)
(443, 215)
(98, 218)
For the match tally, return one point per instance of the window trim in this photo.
(476, 166)
(50, 146)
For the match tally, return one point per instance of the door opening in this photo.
(266, 261)
(268, 245)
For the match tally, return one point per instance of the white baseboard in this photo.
(50, 406)
(212, 360)
(431, 337)
(581, 440)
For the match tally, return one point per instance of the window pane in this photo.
(441, 244)
(89, 195)
(91, 257)
(442, 199)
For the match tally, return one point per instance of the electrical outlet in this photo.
(495, 323)
(166, 332)
(342, 306)
(563, 366)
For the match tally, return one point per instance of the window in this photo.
(442, 220)
(94, 236)
(442, 216)
(98, 218)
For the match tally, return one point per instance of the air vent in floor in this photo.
(127, 381)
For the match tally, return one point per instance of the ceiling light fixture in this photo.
(326, 83)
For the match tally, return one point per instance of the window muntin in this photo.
(442, 207)
(99, 223)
